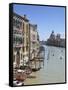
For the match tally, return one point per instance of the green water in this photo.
(54, 67)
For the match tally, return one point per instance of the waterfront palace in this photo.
(25, 40)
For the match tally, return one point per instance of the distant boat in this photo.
(60, 57)
(48, 55)
(53, 54)
(36, 69)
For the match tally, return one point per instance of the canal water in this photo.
(54, 67)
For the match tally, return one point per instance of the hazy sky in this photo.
(47, 18)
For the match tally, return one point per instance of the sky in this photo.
(47, 18)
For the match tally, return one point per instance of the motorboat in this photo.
(18, 83)
(21, 75)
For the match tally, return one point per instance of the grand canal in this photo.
(54, 67)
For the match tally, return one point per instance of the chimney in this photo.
(35, 26)
(25, 16)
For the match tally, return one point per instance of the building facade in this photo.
(34, 41)
(17, 39)
(20, 29)
(25, 41)
(56, 40)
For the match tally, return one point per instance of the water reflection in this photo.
(54, 67)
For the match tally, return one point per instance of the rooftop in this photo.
(22, 17)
